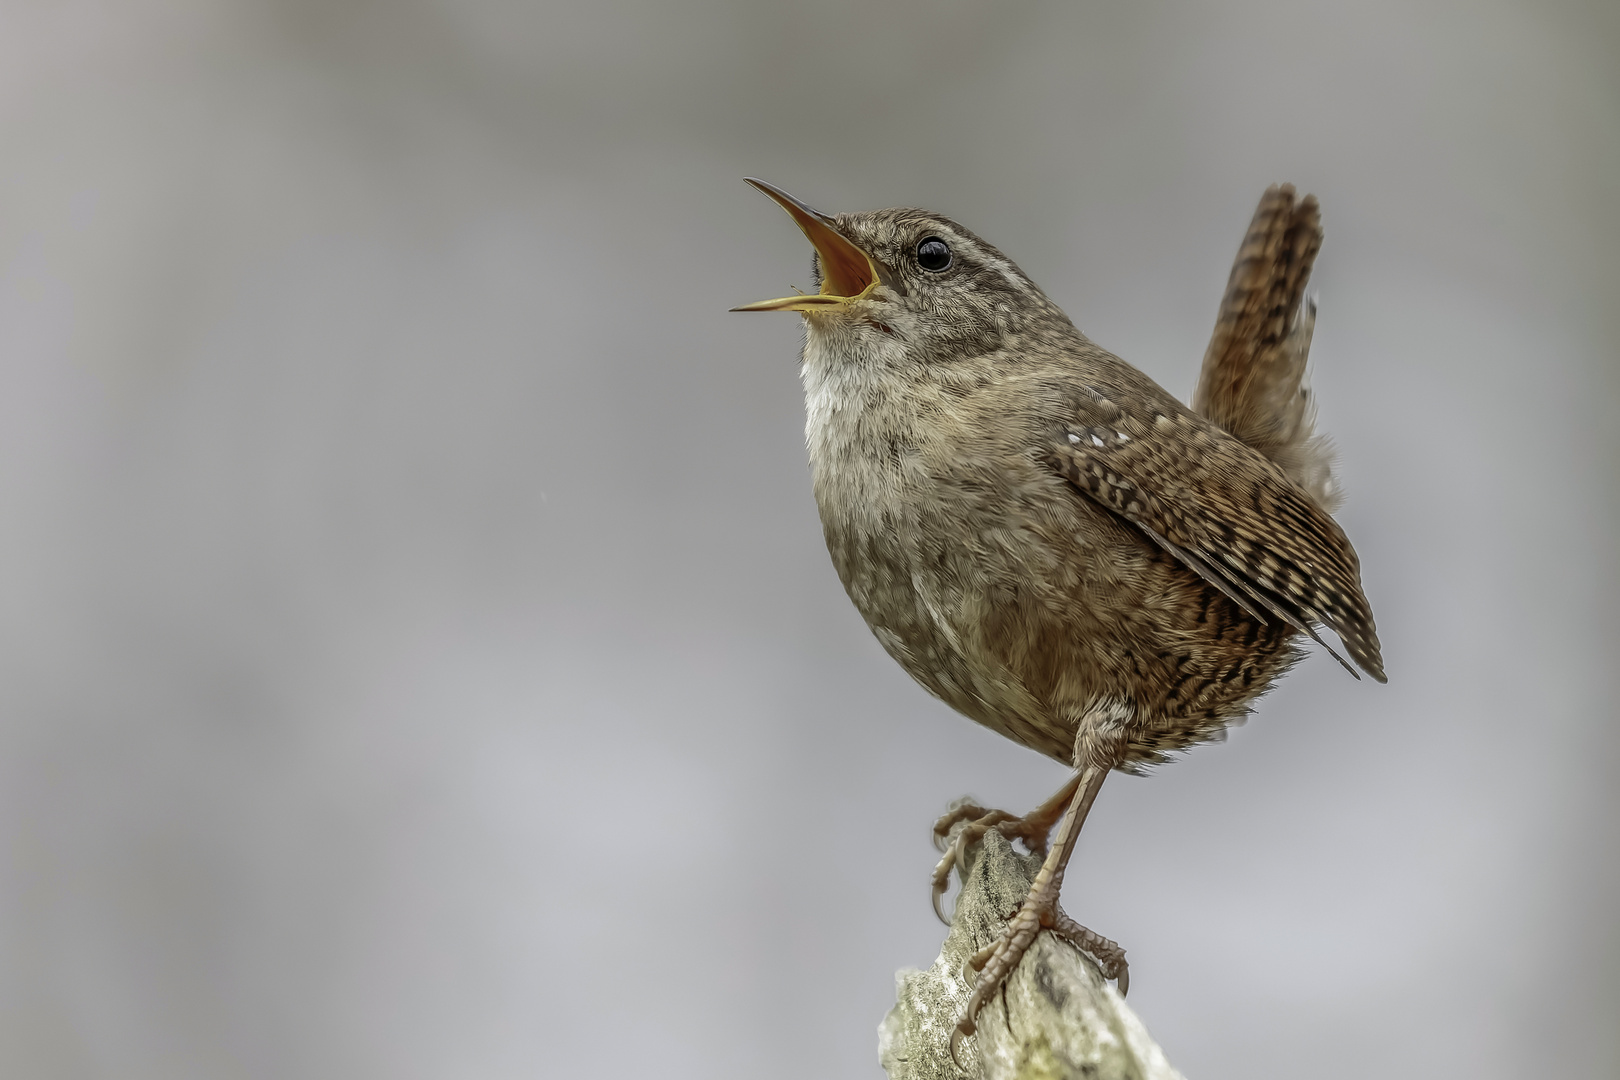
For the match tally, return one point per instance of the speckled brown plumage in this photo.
(1041, 535)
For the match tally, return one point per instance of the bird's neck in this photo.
(863, 406)
(857, 389)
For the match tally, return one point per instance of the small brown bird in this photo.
(1046, 539)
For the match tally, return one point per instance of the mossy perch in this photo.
(1056, 1019)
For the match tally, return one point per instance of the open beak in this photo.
(847, 272)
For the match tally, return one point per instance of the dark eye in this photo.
(933, 254)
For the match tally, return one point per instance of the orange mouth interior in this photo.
(846, 270)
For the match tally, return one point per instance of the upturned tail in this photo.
(1254, 383)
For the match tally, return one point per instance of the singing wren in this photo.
(1045, 538)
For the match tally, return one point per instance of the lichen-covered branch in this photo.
(1056, 1019)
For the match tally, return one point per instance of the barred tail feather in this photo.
(1254, 382)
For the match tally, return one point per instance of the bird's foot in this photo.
(1033, 828)
(966, 823)
(987, 970)
(1109, 956)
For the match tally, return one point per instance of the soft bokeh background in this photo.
(418, 657)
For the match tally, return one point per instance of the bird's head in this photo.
(915, 278)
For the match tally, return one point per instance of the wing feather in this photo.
(1228, 514)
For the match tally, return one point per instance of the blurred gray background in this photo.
(418, 656)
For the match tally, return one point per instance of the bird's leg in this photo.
(989, 968)
(1033, 829)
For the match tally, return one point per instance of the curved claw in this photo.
(942, 871)
(976, 962)
(966, 1027)
(1124, 981)
(942, 882)
(939, 903)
